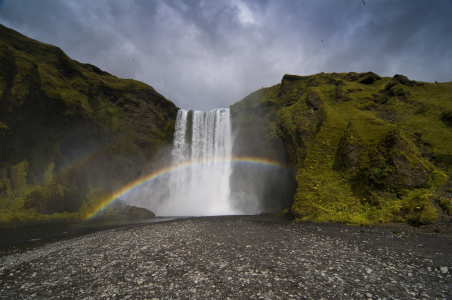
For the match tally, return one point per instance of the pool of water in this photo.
(22, 236)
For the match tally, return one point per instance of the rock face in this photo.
(365, 149)
(138, 213)
(120, 209)
(255, 137)
(69, 132)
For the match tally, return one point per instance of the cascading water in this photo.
(206, 174)
(203, 141)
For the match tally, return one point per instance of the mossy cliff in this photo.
(69, 132)
(365, 149)
(253, 128)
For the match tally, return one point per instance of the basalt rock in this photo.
(313, 101)
(352, 76)
(404, 80)
(120, 209)
(369, 78)
(342, 95)
(134, 212)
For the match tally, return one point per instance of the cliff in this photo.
(253, 129)
(69, 132)
(364, 149)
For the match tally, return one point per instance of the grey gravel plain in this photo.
(234, 257)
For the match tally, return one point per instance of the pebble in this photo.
(236, 257)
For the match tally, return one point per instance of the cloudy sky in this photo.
(205, 54)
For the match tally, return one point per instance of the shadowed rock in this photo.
(405, 81)
(314, 101)
(138, 213)
(446, 117)
(370, 78)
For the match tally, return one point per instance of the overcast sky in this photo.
(207, 54)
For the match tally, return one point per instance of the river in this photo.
(18, 237)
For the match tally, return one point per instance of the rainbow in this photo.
(84, 159)
(175, 168)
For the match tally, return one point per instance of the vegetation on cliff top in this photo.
(366, 149)
(70, 133)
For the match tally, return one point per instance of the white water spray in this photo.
(203, 140)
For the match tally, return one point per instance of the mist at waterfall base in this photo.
(202, 186)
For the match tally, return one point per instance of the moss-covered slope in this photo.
(365, 149)
(70, 132)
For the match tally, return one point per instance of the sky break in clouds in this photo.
(207, 54)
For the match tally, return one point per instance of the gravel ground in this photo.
(235, 257)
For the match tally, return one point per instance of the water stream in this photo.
(24, 236)
(202, 142)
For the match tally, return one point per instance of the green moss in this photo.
(32, 215)
(19, 173)
(3, 126)
(437, 178)
(7, 194)
(19, 216)
(446, 204)
(419, 208)
(48, 174)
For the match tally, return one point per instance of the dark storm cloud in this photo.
(207, 54)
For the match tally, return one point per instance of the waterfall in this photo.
(202, 142)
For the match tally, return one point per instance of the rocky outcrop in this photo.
(120, 209)
(405, 81)
(134, 212)
(69, 132)
(313, 101)
(409, 169)
(369, 78)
